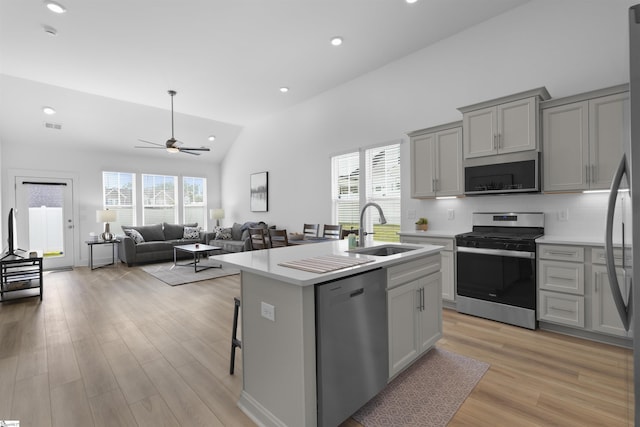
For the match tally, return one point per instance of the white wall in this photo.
(86, 169)
(569, 46)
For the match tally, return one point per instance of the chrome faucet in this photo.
(363, 233)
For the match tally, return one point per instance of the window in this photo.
(345, 171)
(118, 194)
(381, 185)
(159, 194)
(194, 200)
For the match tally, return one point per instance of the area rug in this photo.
(428, 393)
(180, 275)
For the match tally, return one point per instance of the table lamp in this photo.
(216, 214)
(106, 216)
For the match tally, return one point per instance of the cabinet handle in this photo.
(562, 309)
(561, 278)
(595, 284)
(567, 253)
(495, 141)
(499, 141)
(419, 307)
(422, 299)
(586, 173)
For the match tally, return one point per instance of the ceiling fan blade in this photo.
(194, 149)
(149, 142)
(189, 152)
(153, 148)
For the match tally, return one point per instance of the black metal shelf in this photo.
(20, 277)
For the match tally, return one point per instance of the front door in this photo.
(44, 218)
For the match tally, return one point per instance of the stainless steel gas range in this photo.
(496, 267)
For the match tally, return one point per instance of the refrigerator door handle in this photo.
(624, 310)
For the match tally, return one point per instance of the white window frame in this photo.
(365, 193)
(188, 203)
(156, 205)
(119, 207)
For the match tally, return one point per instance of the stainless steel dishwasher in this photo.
(351, 344)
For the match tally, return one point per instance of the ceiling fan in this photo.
(173, 145)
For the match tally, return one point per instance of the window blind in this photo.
(159, 195)
(345, 189)
(194, 200)
(118, 194)
(382, 165)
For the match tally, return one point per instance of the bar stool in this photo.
(235, 342)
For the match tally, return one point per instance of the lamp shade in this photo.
(216, 213)
(106, 215)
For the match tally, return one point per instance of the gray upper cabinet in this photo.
(583, 139)
(504, 125)
(436, 161)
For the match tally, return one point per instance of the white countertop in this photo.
(265, 262)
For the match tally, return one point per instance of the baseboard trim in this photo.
(258, 413)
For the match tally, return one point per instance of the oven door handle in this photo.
(498, 252)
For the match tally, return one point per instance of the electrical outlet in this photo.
(268, 311)
(451, 214)
(563, 215)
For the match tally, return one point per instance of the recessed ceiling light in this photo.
(411, 1)
(284, 89)
(50, 30)
(55, 7)
(48, 110)
(336, 41)
(212, 138)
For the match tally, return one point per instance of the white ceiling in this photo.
(227, 59)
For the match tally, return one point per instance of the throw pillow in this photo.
(135, 235)
(191, 233)
(222, 233)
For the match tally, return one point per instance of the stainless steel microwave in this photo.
(520, 176)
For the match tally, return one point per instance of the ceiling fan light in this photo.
(212, 138)
(48, 110)
(172, 150)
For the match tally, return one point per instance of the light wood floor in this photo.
(116, 347)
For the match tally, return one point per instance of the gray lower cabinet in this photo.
(574, 290)
(414, 309)
(448, 260)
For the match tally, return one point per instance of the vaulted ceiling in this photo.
(109, 66)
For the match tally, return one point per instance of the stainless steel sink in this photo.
(384, 250)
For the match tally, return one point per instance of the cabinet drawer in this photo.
(598, 256)
(403, 273)
(440, 241)
(561, 253)
(561, 308)
(561, 276)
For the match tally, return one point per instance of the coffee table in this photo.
(197, 250)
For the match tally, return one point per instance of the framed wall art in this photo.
(259, 186)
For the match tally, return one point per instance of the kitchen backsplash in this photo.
(580, 215)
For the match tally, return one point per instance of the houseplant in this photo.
(422, 224)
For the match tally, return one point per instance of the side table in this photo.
(92, 243)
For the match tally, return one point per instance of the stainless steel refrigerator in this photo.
(623, 224)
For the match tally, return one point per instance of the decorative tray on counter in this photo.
(325, 264)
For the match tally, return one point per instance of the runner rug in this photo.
(180, 275)
(428, 393)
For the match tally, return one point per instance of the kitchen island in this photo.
(278, 319)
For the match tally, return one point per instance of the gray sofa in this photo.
(235, 238)
(156, 242)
